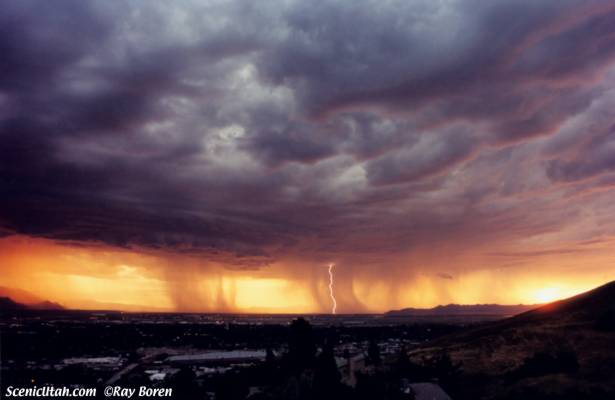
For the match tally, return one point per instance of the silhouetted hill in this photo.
(46, 305)
(6, 304)
(20, 295)
(583, 307)
(557, 351)
(28, 300)
(462, 309)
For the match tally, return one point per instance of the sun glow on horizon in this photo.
(549, 294)
(101, 277)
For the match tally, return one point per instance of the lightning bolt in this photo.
(334, 306)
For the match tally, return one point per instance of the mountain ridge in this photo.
(465, 309)
(18, 299)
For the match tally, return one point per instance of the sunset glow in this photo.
(552, 293)
(95, 278)
(548, 295)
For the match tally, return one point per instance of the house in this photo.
(425, 391)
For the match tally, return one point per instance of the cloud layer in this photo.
(369, 133)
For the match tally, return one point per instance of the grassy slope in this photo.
(491, 353)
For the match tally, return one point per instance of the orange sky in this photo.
(101, 277)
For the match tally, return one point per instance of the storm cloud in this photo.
(248, 132)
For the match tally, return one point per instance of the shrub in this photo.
(606, 321)
(548, 362)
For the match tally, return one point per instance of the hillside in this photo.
(463, 309)
(561, 348)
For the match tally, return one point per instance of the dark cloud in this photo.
(38, 41)
(430, 156)
(293, 142)
(595, 158)
(348, 130)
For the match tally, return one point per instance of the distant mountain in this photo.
(20, 295)
(463, 309)
(560, 349)
(27, 300)
(35, 302)
(6, 304)
(46, 305)
(109, 306)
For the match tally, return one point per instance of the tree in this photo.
(301, 347)
(184, 384)
(373, 352)
(269, 357)
(326, 375)
(405, 368)
(606, 321)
